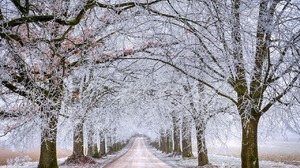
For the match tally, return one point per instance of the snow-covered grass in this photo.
(101, 162)
(25, 162)
(279, 151)
(218, 161)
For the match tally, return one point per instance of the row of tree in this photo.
(82, 61)
(245, 52)
(190, 105)
(43, 46)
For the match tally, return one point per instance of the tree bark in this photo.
(186, 137)
(92, 145)
(169, 144)
(162, 141)
(201, 145)
(109, 143)
(78, 140)
(102, 150)
(176, 134)
(249, 152)
(95, 152)
(48, 157)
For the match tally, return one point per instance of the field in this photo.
(279, 153)
(7, 155)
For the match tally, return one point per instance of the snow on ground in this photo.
(277, 150)
(219, 161)
(24, 162)
(138, 156)
(102, 162)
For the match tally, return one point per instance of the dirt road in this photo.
(138, 156)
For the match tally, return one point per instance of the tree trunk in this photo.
(90, 142)
(249, 143)
(162, 141)
(110, 143)
(169, 145)
(92, 145)
(102, 151)
(95, 151)
(186, 137)
(155, 144)
(201, 145)
(78, 140)
(48, 157)
(115, 146)
(176, 132)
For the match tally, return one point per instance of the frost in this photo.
(194, 71)
(18, 161)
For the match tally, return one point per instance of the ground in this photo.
(139, 153)
(138, 156)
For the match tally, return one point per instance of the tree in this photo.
(169, 141)
(176, 132)
(102, 149)
(197, 104)
(92, 144)
(36, 65)
(187, 135)
(247, 50)
(78, 141)
(78, 149)
(42, 42)
(200, 113)
(162, 142)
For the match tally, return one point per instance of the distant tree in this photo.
(78, 141)
(169, 141)
(92, 144)
(102, 149)
(176, 132)
(187, 135)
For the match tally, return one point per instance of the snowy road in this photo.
(138, 156)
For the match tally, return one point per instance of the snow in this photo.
(138, 156)
(24, 162)
(216, 160)
(21, 162)
(220, 161)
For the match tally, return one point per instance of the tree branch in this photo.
(277, 98)
(19, 6)
(187, 74)
(1, 15)
(4, 114)
(9, 37)
(14, 88)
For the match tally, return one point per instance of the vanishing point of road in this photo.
(138, 156)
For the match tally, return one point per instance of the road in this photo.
(138, 156)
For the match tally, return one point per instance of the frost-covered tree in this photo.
(41, 41)
(186, 138)
(202, 106)
(246, 52)
(89, 92)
